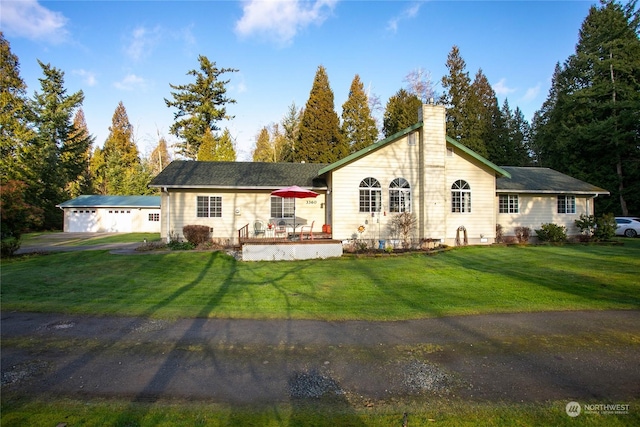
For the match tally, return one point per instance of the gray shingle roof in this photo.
(543, 180)
(240, 175)
(88, 201)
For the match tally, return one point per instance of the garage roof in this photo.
(93, 201)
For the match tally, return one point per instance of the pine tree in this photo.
(15, 114)
(215, 149)
(401, 112)
(201, 105)
(589, 124)
(457, 86)
(48, 170)
(320, 140)
(291, 125)
(358, 127)
(76, 158)
(263, 151)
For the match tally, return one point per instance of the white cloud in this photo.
(281, 20)
(88, 77)
(27, 18)
(501, 88)
(531, 93)
(141, 41)
(408, 13)
(130, 82)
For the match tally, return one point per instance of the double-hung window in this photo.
(508, 203)
(370, 195)
(209, 207)
(566, 204)
(399, 196)
(461, 196)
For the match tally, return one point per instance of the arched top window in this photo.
(461, 196)
(399, 195)
(370, 195)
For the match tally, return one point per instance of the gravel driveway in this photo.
(530, 357)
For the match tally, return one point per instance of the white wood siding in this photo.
(480, 223)
(239, 208)
(538, 209)
(111, 220)
(395, 160)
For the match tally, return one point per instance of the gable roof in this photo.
(239, 175)
(94, 201)
(543, 180)
(402, 133)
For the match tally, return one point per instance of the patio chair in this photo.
(258, 228)
(307, 227)
(281, 229)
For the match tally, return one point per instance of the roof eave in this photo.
(478, 157)
(370, 148)
(587, 193)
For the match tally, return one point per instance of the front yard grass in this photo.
(470, 280)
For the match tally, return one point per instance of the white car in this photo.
(627, 226)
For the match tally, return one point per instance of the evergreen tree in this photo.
(15, 115)
(401, 112)
(320, 140)
(215, 149)
(98, 169)
(482, 115)
(263, 151)
(291, 126)
(457, 86)
(160, 157)
(201, 105)
(77, 157)
(358, 127)
(49, 165)
(589, 126)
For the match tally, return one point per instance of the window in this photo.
(399, 196)
(508, 203)
(154, 217)
(370, 195)
(209, 207)
(282, 207)
(566, 204)
(460, 197)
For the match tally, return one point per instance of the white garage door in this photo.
(82, 221)
(118, 220)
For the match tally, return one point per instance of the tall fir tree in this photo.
(263, 151)
(457, 86)
(589, 126)
(401, 112)
(217, 149)
(201, 105)
(49, 167)
(78, 157)
(358, 127)
(320, 139)
(291, 131)
(15, 115)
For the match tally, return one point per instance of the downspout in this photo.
(166, 190)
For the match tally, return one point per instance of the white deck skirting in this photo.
(291, 251)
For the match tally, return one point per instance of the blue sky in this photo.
(131, 51)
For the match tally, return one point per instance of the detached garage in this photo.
(112, 214)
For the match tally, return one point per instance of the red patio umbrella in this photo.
(297, 193)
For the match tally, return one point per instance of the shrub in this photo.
(499, 233)
(523, 234)
(403, 225)
(175, 245)
(552, 233)
(586, 224)
(196, 234)
(605, 227)
(9, 246)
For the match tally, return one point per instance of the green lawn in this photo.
(468, 280)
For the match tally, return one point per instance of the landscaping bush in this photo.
(403, 226)
(9, 246)
(499, 233)
(552, 233)
(605, 227)
(523, 234)
(175, 245)
(196, 234)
